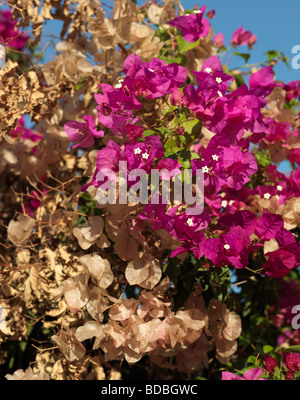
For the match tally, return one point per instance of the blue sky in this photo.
(275, 23)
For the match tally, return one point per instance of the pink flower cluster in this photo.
(193, 26)
(253, 374)
(9, 35)
(281, 312)
(241, 37)
(21, 132)
(292, 364)
(227, 162)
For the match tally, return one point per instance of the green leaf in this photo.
(263, 159)
(162, 34)
(285, 59)
(194, 155)
(189, 125)
(292, 349)
(148, 133)
(22, 345)
(251, 360)
(247, 309)
(272, 55)
(11, 362)
(183, 45)
(188, 11)
(177, 60)
(182, 138)
(239, 80)
(185, 163)
(245, 56)
(171, 145)
(267, 349)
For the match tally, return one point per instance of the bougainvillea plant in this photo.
(147, 229)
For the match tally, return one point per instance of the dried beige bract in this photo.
(99, 269)
(291, 213)
(75, 292)
(89, 330)
(233, 327)
(144, 271)
(90, 232)
(18, 232)
(123, 310)
(27, 375)
(70, 347)
(125, 245)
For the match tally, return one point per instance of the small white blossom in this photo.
(145, 155)
(279, 188)
(208, 70)
(219, 80)
(137, 151)
(205, 169)
(231, 202)
(190, 222)
(151, 70)
(267, 196)
(226, 246)
(119, 84)
(223, 194)
(224, 203)
(215, 157)
(220, 94)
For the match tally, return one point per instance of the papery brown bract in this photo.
(75, 292)
(90, 232)
(70, 347)
(20, 231)
(144, 271)
(27, 375)
(123, 310)
(99, 269)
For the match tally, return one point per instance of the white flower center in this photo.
(267, 196)
(119, 84)
(145, 155)
(137, 151)
(224, 203)
(220, 94)
(208, 70)
(226, 246)
(190, 222)
(205, 169)
(151, 70)
(223, 194)
(279, 188)
(231, 202)
(215, 157)
(219, 80)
